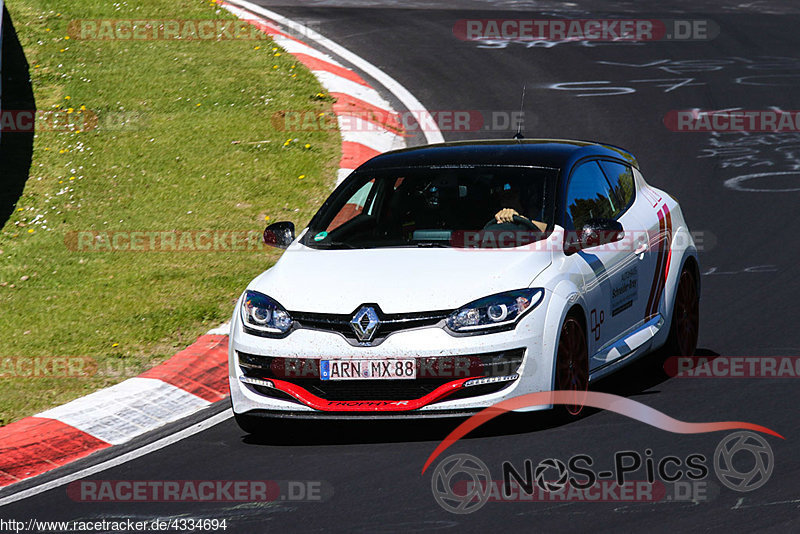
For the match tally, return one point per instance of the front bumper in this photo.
(272, 391)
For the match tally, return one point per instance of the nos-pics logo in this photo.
(752, 468)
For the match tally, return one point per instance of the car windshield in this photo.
(436, 206)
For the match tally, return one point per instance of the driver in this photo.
(510, 198)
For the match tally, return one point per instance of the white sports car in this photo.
(439, 280)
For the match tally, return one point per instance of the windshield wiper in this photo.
(333, 244)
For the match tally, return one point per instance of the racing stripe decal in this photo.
(659, 265)
(664, 243)
(666, 253)
(669, 245)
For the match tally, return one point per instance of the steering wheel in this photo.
(516, 220)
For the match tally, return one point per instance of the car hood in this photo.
(397, 279)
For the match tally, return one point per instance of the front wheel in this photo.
(572, 365)
(682, 340)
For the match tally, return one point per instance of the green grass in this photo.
(174, 149)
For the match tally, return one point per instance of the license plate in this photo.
(392, 369)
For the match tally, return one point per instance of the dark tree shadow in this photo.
(16, 148)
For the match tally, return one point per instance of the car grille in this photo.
(432, 372)
(389, 323)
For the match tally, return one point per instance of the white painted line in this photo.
(296, 47)
(290, 45)
(432, 133)
(121, 459)
(128, 409)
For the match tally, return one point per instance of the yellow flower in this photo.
(277, 54)
(275, 49)
(67, 97)
(61, 181)
(274, 66)
(256, 48)
(115, 345)
(47, 149)
(83, 108)
(31, 230)
(308, 145)
(70, 110)
(62, 49)
(36, 66)
(71, 177)
(47, 29)
(266, 217)
(198, 103)
(19, 209)
(66, 37)
(301, 176)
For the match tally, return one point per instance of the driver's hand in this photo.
(506, 215)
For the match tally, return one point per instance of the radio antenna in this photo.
(519, 135)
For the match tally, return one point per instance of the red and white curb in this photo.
(189, 381)
(197, 376)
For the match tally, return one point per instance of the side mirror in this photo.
(279, 234)
(595, 232)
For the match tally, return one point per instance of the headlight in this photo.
(496, 312)
(263, 316)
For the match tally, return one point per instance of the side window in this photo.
(354, 207)
(622, 184)
(589, 195)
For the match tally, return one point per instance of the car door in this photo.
(652, 208)
(610, 272)
(630, 300)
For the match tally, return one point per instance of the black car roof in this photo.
(555, 153)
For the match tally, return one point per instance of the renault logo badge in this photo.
(365, 323)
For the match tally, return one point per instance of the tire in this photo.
(572, 365)
(682, 339)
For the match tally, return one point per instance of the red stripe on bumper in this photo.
(324, 405)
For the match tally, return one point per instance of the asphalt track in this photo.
(749, 261)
